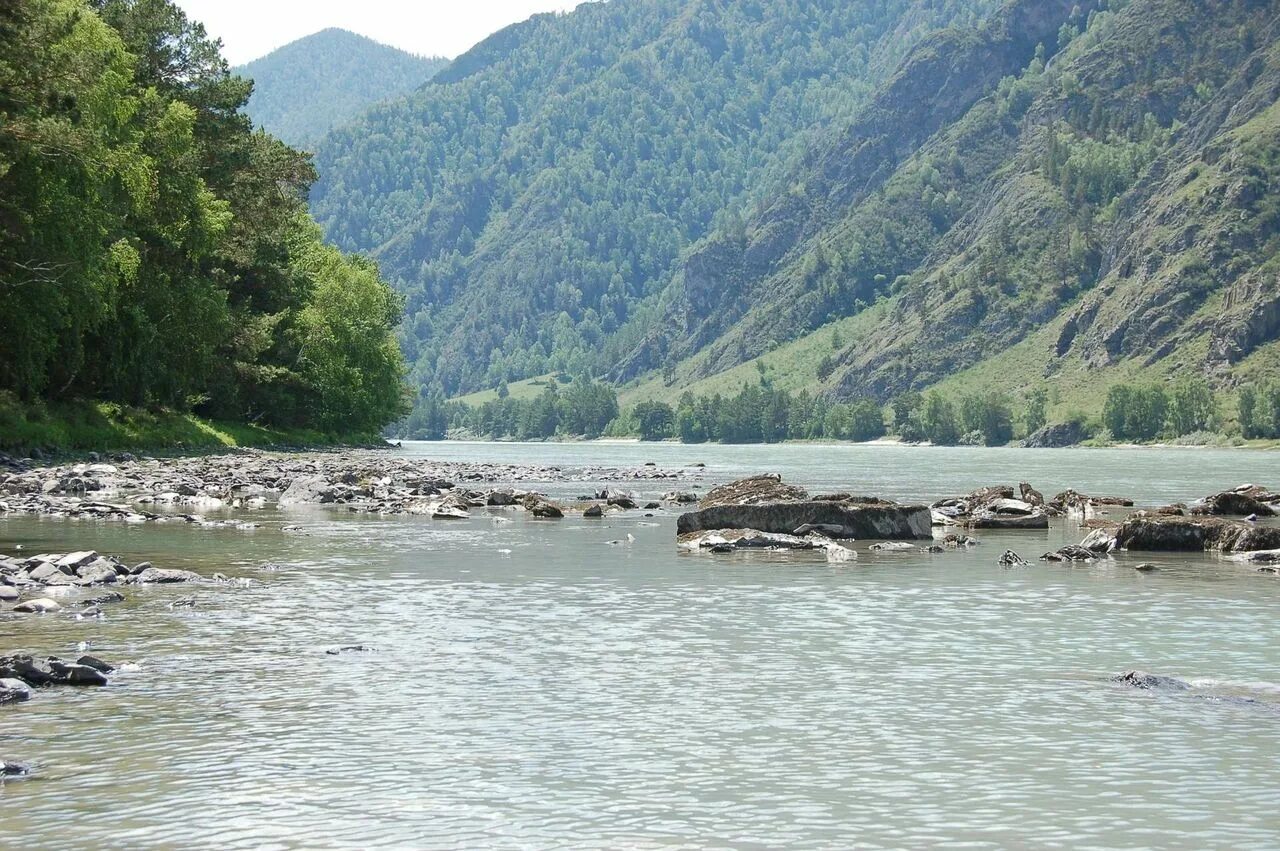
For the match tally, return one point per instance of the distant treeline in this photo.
(157, 252)
(761, 413)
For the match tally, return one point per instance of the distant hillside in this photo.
(1104, 212)
(306, 88)
(857, 200)
(533, 199)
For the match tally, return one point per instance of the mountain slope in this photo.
(533, 201)
(1113, 208)
(306, 88)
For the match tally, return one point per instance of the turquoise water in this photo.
(537, 686)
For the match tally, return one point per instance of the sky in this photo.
(253, 28)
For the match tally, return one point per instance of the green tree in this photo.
(655, 420)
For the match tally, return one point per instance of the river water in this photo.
(535, 686)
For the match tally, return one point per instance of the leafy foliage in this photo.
(532, 201)
(154, 250)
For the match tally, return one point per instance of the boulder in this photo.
(43, 571)
(72, 674)
(100, 572)
(1056, 436)
(1232, 503)
(726, 540)
(1259, 557)
(160, 575)
(501, 498)
(26, 669)
(1099, 541)
(547, 511)
(1143, 531)
(756, 490)
(39, 605)
(893, 547)
(1030, 495)
(994, 520)
(1143, 680)
(593, 511)
(74, 561)
(8, 594)
(96, 663)
(1071, 552)
(838, 520)
(306, 491)
(13, 690)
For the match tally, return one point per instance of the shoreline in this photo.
(1252, 445)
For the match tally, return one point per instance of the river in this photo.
(536, 686)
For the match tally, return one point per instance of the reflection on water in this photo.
(574, 693)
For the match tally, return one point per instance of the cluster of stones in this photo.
(762, 512)
(1003, 507)
(26, 583)
(21, 674)
(362, 480)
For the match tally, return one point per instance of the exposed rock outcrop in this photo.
(765, 504)
(1159, 532)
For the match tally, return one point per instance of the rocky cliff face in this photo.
(724, 278)
(1119, 191)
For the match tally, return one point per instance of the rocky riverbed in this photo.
(756, 513)
(139, 490)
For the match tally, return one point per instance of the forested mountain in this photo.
(1112, 204)
(154, 249)
(308, 87)
(532, 201)
(1079, 191)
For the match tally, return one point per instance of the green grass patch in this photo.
(83, 426)
(529, 388)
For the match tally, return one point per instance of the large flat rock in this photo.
(836, 519)
(1160, 532)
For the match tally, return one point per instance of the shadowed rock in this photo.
(1169, 533)
(836, 519)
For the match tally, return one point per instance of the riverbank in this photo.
(1225, 442)
(66, 428)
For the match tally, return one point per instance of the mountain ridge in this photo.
(306, 88)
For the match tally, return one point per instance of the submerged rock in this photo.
(160, 575)
(1071, 552)
(13, 768)
(39, 605)
(997, 520)
(1143, 680)
(1011, 559)
(350, 648)
(729, 540)
(13, 690)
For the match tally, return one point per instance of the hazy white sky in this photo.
(251, 28)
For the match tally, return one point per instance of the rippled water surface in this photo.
(536, 686)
